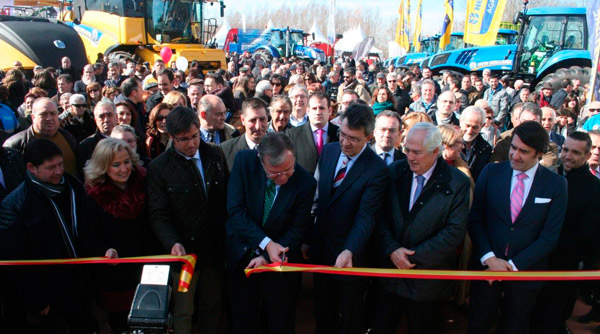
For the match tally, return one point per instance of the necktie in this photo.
(595, 173)
(516, 198)
(319, 140)
(420, 183)
(210, 136)
(384, 156)
(269, 198)
(341, 174)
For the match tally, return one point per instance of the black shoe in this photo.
(592, 315)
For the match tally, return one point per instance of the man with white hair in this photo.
(427, 101)
(76, 118)
(548, 122)
(402, 97)
(445, 110)
(106, 119)
(433, 224)
(87, 78)
(477, 150)
(299, 97)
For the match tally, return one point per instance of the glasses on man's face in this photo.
(187, 139)
(344, 136)
(391, 81)
(272, 176)
(78, 105)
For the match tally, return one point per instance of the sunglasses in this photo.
(160, 118)
(276, 83)
(594, 109)
(78, 105)
(94, 90)
(391, 81)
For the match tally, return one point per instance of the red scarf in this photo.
(122, 204)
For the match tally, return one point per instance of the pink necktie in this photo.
(516, 198)
(319, 140)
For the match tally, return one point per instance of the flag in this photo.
(483, 21)
(331, 22)
(417, 32)
(401, 28)
(447, 26)
(593, 10)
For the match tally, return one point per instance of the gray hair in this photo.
(298, 87)
(427, 82)
(392, 75)
(475, 110)
(433, 137)
(104, 103)
(123, 128)
(273, 147)
(392, 114)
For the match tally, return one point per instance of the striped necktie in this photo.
(516, 198)
(341, 174)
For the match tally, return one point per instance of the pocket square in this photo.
(541, 200)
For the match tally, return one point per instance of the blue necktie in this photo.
(420, 183)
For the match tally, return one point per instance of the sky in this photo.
(432, 9)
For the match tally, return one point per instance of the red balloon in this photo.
(166, 53)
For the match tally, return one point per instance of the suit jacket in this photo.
(582, 220)
(13, 170)
(557, 139)
(288, 219)
(479, 157)
(346, 217)
(434, 228)
(530, 240)
(232, 146)
(86, 149)
(306, 148)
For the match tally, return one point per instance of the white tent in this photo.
(319, 37)
(351, 38)
(221, 34)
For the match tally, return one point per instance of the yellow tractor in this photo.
(140, 29)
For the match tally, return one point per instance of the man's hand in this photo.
(496, 264)
(45, 311)
(257, 262)
(178, 250)
(400, 258)
(304, 250)
(344, 260)
(275, 251)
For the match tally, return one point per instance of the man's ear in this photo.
(31, 168)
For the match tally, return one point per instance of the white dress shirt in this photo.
(527, 182)
(390, 157)
(249, 142)
(314, 133)
(350, 163)
(427, 176)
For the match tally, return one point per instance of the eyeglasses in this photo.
(187, 139)
(489, 117)
(78, 105)
(276, 83)
(594, 109)
(94, 90)
(344, 136)
(391, 80)
(347, 76)
(160, 118)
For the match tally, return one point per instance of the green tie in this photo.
(269, 198)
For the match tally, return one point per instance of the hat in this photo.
(262, 86)
(380, 75)
(151, 83)
(196, 81)
(77, 99)
(547, 85)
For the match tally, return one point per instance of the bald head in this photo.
(446, 102)
(212, 112)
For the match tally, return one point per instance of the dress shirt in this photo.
(198, 162)
(263, 244)
(204, 133)
(390, 157)
(251, 145)
(527, 182)
(350, 163)
(314, 133)
(413, 189)
(295, 123)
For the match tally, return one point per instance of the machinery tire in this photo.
(264, 54)
(573, 72)
(122, 55)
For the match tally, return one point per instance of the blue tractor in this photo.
(551, 46)
(272, 43)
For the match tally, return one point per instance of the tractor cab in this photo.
(545, 34)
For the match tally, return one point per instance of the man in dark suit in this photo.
(387, 133)
(269, 202)
(254, 119)
(579, 233)
(548, 122)
(106, 119)
(311, 137)
(352, 181)
(165, 79)
(517, 214)
(425, 221)
(476, 151)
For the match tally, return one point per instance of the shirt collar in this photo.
(530, 172)
(250, 143)
(380, 151)
(354, 158)
(428, 173)
(196, 156)
(325, 128)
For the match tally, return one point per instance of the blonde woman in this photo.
(115, 184)
(175, 99)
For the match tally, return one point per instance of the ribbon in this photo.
(185, 277)
(580, 275)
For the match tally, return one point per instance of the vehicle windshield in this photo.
(505, 39)
(430, 45)
(456, 42)
(174, 21)
(296, 38)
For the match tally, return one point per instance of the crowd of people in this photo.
(348, 165)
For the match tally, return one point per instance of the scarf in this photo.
(125, 204)
(381, 106)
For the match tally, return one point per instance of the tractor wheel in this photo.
(264, 54)
(573, 72)
(117, 56)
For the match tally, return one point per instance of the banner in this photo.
(592, 10)
(580, 275)
(447, 25)
(187, 268)
(417, 32)
(331, 23)
(483, 21)
(402, 28)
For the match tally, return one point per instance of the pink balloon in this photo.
(166, 53)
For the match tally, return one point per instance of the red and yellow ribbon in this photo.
(580, 275)
(187, 268)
